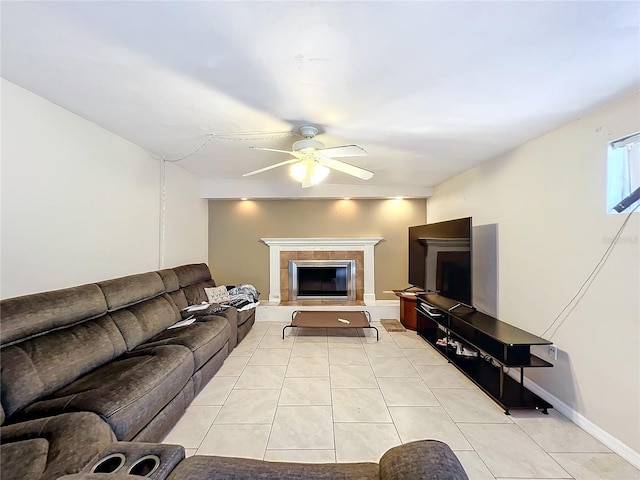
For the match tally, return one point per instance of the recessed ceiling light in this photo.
(244, 199)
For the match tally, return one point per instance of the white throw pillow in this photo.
(217, 294)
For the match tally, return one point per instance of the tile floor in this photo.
(320, 396)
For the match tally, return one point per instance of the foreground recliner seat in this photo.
(419, 460)
(48, 448)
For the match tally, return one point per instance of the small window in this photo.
(623, 174)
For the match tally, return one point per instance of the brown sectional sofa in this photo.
(93, 371)
(101, 355)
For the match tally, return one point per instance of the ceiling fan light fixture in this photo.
(298, 171)
(308, 172)
(312, 161)
(307, 144)
(318, 173)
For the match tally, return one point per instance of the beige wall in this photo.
(236, 253)
(548, 199)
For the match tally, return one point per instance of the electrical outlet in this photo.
(553, 352)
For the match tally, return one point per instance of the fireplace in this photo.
(322, 279)
(359, 249)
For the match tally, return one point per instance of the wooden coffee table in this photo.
(331, 319)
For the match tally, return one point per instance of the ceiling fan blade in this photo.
(295, 154)
(344, 151)
(345, 167)
(260, 170)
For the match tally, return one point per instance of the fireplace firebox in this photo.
(322, 279)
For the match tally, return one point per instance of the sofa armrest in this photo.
(231, 314)
(423, 459)
(56, 445)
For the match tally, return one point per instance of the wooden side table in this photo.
(408, 316)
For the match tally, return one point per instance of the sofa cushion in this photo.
(32, 315)
(155, 315)
(179, 299)
(48, 448)
(195, 293)
(204, 338)
(142, 321)
(127, 392)
(170, 280)
(193, 273)
(228, 468)
(125, 291)
(41, 365)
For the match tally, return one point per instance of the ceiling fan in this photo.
(312, 160)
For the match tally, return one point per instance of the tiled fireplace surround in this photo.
(360, 249)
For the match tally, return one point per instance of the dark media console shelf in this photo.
(498, 344)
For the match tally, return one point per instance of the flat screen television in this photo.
(440, 258)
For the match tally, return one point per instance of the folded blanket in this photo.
(245, 289)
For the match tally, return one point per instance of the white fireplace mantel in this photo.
(359, 244)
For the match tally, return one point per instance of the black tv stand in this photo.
(442, 321)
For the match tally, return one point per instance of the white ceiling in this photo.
(429, 89)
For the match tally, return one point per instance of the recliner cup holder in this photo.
(144, 466)
(109, 464)
(153, 461)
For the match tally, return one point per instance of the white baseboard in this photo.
(606, 438)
